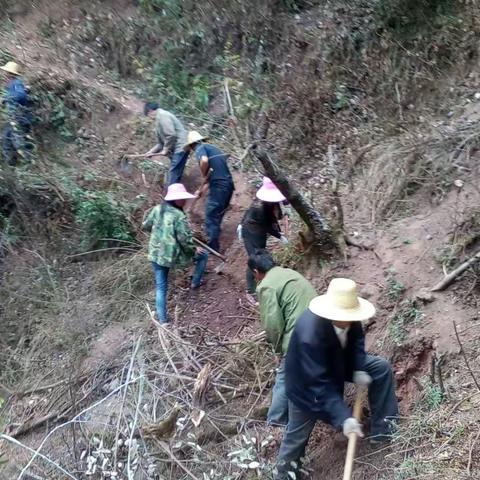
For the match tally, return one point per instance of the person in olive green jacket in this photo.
(283, 295)
(171, 244)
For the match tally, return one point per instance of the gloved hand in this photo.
(284, 240)
(361, 378)
(239, 232)
(351, 425)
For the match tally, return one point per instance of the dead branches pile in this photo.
(399, 169)
(177, 408)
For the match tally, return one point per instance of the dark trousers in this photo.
(217, 203)
(15, 142)
(252, 242)
(383, 407)
(177, 166)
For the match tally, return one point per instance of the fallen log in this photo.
(318, 228)
(317, 225)
(443, 284)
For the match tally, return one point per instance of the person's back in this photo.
(293, 293)
(283, 295)
(218, 163)
(167, 124)
(167, 243)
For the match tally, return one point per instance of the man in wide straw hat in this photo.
(217, 178)
(327, 349)
(15, 141)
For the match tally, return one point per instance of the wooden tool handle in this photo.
(142, 155)
(209, 249)
(353, 437)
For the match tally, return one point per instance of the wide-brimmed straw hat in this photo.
(269, 192)
(342, 303)
(11, 67)
(177, 191)
(193, 137)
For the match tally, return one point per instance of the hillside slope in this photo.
(379, 97)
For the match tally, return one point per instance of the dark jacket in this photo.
(317, 367)
(17, 102)
(260, 219)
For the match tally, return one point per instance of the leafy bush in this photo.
(177, 87)
(410, 15)
(432, 396)
(8, 231)
(51, 112)
(101, 217)
(170, 7)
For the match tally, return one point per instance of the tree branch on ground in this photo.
(443, 284)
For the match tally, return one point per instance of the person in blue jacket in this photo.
(15, 141)
(327, 349)
(216, 177)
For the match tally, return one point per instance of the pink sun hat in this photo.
(177, 191)
(268, 192)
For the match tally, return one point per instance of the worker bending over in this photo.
(283, 295)
(216, 177)
(327, 349)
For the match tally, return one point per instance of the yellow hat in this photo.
(193, 137)
(342, 303)
(11, 67)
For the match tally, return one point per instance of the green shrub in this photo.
(432, 396)
(407, 314)
(101, 217)
(8, 231)
(408, 18)
(52, 113)
(395, 288)
(167, 7)
(176, 87)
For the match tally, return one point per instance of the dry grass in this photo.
(411, 163)
(142, 420)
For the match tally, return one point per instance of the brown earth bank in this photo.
(84, 373)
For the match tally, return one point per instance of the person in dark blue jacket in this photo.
(327, 349)
(216, 177)
(19, 117)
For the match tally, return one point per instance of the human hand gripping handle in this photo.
(361, 378)
(352, 425)
(353, 430)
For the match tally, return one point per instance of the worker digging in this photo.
(16, 141)
(217, 179)
(171, 138)
(327, 349)
(283, 295)
(260, 221)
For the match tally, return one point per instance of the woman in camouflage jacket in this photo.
(171, 244)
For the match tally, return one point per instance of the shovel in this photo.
(353, 437)
(126, 166)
